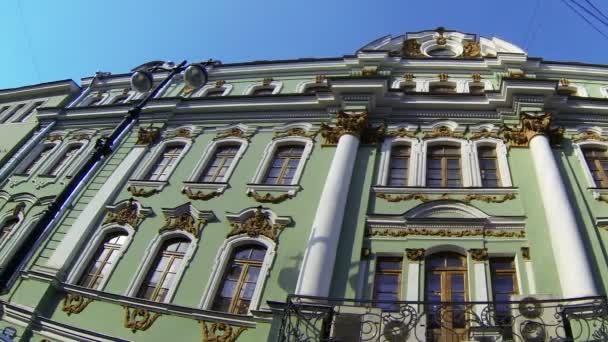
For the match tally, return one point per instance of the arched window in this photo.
(239, 280)
(64, 160)
(42, 155)
(7, 227)
(443, 166)
(161, 276)
(488, 167)
(103, 261)
(597, 161)
(399, 165)
(165, 163)
(222, 160)
(284, 164)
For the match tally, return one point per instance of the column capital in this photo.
(479, 254)
(415, 254)
(531, 125)
(346, 123)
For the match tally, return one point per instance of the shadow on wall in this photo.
(288, 276)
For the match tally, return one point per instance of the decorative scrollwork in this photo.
(257, 225)
(234, 132)
(479, 254)
(471, 49)
(294, 132)
(269, 198)
(398, 198)
(401, 133)
(75, 303)
(141, 192)
(589, 135)
(139, 319)
(180, 132)
(147, 136)
(442, 132)
(345, 124)
(445, 232)
(415, 254)
(484, 134)
(54, 137)
(411, 48)
(200, 195)
(531, 126)
(185, 222)
(220, 332)
(466, 199)
(129, 214)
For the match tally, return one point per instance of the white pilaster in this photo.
(319, 259)
(573, 268)
(530, 276)
(481, 285)
(413, 282)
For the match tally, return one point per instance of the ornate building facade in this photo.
(435, 186)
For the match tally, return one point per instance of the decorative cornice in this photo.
(75, 303)
(345, 124)
(185, 222)
(141, 192)
(234, 132)
(269, 198)
(467, 199)
(294, 132)
(415, 254)
(588, 135)
(442, 132)
(220, 332)
(257, 225)
(147, 136)
(479, 254)
(445, 232)
(139, 319)
(129, 214)
(525, 253)
(200, 195)
(531, 126)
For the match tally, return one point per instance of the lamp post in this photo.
(142, 81)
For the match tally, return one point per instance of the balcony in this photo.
(529, 319)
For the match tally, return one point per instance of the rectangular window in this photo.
(218, 166)
(400, 159)
(443, 167)
(504, 285)
(488, 167)
(284, 165)
(597, 161)
(387, 282)
(165, 163)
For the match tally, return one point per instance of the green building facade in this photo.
(435, 186)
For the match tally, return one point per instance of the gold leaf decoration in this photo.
(415, 254)
(401, 132)
(294, 132)
(200, 195)
(234, 132)
(479, 254)
(467, 199)
(219, 83)
(484, 134)
(411, 48)
(139, 319)
(471, 49)
(531, 126)
(373, 135)
(128, 214)
(269, 198)
(398, 198)
(257, 225)
(442, 132)
(75, 303)
(266, 81)
(345, 124)
(220, 332)
(456, 233)
(147, 136)
(185, 222)
(589, 135)
(141, 192)
(54, 137)
(525, 253)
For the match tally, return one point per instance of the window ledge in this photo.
(434, 191)
(286, 192)
(145, 188)
(203, 191)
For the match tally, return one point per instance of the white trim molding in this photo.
(414, 160)
(202, 92)
(501, 160)
(150, 256)
(221, 262)
(275, 85)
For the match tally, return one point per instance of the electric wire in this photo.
(28, 39)
(590, 13)
(530, 36)
(585, 19)
(596, 9)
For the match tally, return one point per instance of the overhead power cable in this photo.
(585, 19)
(596, 9)
(590, 13)
(530, 34)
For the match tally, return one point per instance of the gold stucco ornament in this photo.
(446, 232)
(147, 136)
(268, 197)
(139, 319)
(411, 48)
(532, 124)
(127, 215)
(294, 132)
(414, 254)
(442, 132)
(234, 132)
(467, 199)
(141, 192)
(479, 254)
(471, 49)
(75, 303)
(185, 222)
(589, 135)
(200, 195)
(220, 332)
(346, 123)
(257, 225)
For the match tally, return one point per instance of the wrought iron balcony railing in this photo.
(531, 319)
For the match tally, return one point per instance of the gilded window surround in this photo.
(236, 131)
(257, 222)
(187, 218)
(126, 212)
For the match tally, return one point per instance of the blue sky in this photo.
(44, 40)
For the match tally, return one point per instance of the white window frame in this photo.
(150, 255)
(385, 160)
(34, 154)
(221, 263)
(92, 247)
(501, 160)
(465, 159)
(210, 153)
(156, 153)
(270, 151)
(55, 157)
(578, 150)
(276, 85)
(227, 88)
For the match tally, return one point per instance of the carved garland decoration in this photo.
(442, 132)
(200, 195)
(128, 214)
(257, 225)
(234, 132)
(589, 135)
(181, 132)
(401, 133)
(345, 124)
(415, 254)
(75, 303)
(466, 199)
(141, 192)
(294, 132)
(147, 136)
(139, 319)
(220, 332)
(185, 222)
(479, 254)
(269, 198)
(401, 232)
(531, 126)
